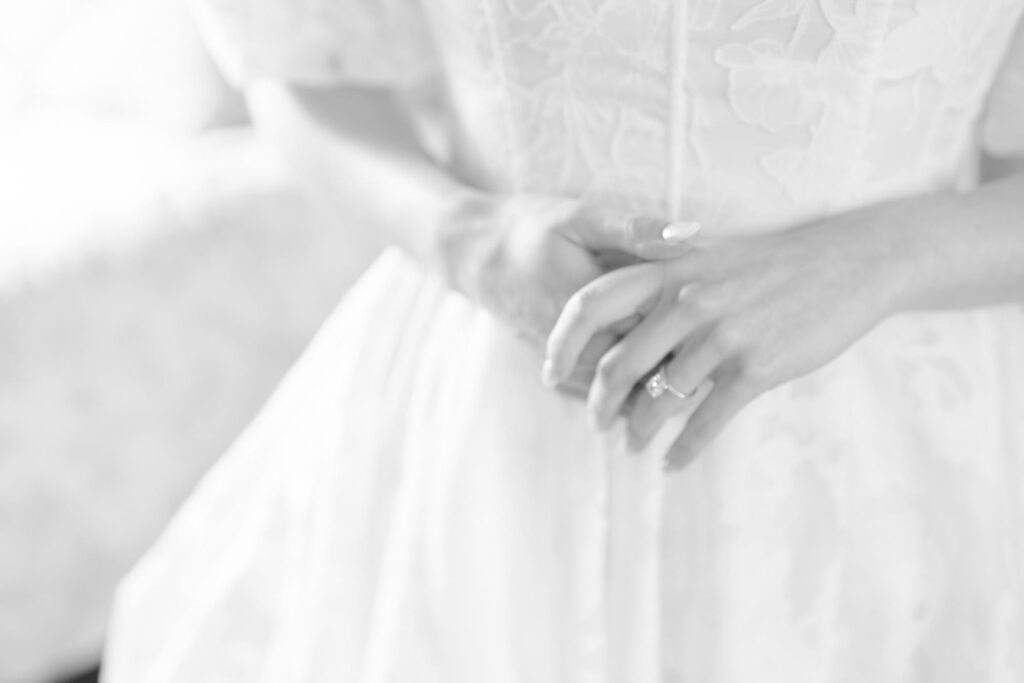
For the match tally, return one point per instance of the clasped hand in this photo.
(728, 318)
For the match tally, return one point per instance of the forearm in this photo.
(358, 147)
(951, 251)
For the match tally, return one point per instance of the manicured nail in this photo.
(677, 233)
(673, 462)
(678, 459)
(547, 374)
(633, 442)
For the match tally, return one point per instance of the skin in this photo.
(742, 316)
(520, 256)
(753, 314)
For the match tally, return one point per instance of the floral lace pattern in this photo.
(836, 102)
(393, 517)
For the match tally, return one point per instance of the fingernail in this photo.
(678, 459)
(677, 233)
(547, 374)
(633, 442)
(672, 463)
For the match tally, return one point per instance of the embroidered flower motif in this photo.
(770, 10)
(766, 86)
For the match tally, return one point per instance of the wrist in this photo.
(465, 239)
(913, 237)
(890, 267)
(899, 262)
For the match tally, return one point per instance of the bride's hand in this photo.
(734, 316)
(523, 256)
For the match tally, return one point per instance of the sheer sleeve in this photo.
(1002, 130)
(319, 42)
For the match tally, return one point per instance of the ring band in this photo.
(659, 384)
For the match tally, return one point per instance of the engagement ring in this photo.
(659, 384)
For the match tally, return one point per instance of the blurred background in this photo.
(159, 272)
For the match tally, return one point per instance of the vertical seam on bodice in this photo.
(876, 43)
(512, 148)
(678, 117)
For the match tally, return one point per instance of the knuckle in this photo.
(580, 306)
(753, 376)
(643, 229)
(607, 221)
(610, 371)
(727, 338)
(697, 302)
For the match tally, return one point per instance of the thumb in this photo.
(646, 238)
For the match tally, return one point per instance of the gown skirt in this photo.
(413, 505)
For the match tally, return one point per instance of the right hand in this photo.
(523, 257)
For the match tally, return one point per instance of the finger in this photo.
(574, 388)
(724, 402)
(647, 415)
(685, 373)
(582, 375)
(613, 260)
(577, 384)
(609, 299)
(693, 364)
(641, 351)
(602, 230)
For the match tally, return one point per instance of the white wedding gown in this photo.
(414, 506)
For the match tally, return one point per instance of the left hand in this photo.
(733, 317)
(522, 256)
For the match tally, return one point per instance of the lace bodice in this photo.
(413, 505)
(745, 114)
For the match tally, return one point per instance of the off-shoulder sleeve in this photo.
(319, 42)
(1002, 132)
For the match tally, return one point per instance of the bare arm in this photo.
(959, 250)
(738, 317)
(519, 256)
(359, 147)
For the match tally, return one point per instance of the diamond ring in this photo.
(659, 384)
